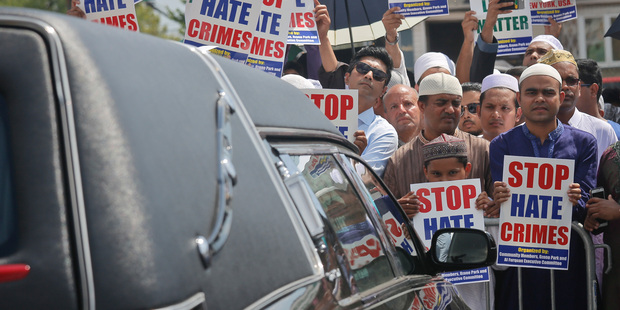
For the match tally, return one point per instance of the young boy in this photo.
(445, 159)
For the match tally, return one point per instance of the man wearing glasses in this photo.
(564, 62)
(470, 122)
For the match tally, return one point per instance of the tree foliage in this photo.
(178, 16)
(48, 5)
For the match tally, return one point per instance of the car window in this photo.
(388, 210)
(341, 205)
(7, 208)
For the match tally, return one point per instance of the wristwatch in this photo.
(395, 41)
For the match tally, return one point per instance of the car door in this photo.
(378, 259)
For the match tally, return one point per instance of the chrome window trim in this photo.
(188, 304)
(279, 132)
(264, 156)
(68, 134)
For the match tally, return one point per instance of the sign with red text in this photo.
(269, 44)
(414, 8)
(535, 222)
(228, 25)
(513, 30)
(302, 29)
(446, 205)
(559, 10)
(117, 13)
(340, 107)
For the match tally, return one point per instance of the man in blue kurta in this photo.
(543, 135)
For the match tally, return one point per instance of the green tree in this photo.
(178, 16)
(48, 5)
(150, 22)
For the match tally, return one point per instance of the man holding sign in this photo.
(535, 210)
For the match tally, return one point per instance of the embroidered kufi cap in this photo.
(540, 69)
(555, 56)
(440, 83)
(444, 146)
(432, 60)
(551, 40)
(500, 80)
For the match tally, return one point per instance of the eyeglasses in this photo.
(471, 108)
(571, 81)
(377, 74)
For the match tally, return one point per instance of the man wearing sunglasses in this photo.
(470, 122)
(564, 62)
(369, 72)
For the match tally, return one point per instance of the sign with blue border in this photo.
(420, 8)
(535, 222)
(559, 10)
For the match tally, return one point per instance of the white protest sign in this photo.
(340, 107)
(117, 13)
(559, 10)
(269, 43)
(447, 205)
(420, 8)
(302, 29)
(513, 30)
(535, 222)
(230, 25)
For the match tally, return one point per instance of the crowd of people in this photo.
(454, 121)
(451, 121)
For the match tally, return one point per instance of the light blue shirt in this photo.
(381, 137)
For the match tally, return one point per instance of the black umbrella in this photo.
(614, 30)
(359, 20)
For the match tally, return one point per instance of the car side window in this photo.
(388, 210)
(7, 207)
(346, 214)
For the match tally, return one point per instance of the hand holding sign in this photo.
(598, 208)
(410, 204)
(360, 140)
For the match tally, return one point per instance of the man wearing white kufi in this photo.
(544, 136)
(499, 110)
(440, 102)
(432, 62)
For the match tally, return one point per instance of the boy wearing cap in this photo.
(445, 159)
(543, 135)
(440, 103)
(499, 109)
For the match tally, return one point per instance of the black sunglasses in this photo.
(471, 108)
(377, 74)
(571, 81)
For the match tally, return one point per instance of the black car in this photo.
(140, 173)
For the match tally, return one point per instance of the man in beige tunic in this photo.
(440, 103)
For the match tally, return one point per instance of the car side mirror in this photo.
(462, 248)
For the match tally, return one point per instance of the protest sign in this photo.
(117, 13)
(269, 43)
(394, 221)
(229, 26)
(446, 205)
(535, 222)
(340, 107)
(559, 10)
(513, 30)
(302, 29)
(420, 8)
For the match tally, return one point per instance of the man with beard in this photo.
(440, 104)
(470, 122)
(544, 136)
(566, 65)
(400, 108)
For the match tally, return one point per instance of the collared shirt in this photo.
(601, 130)
(406, 166)
(381, 137)
(565, 142)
